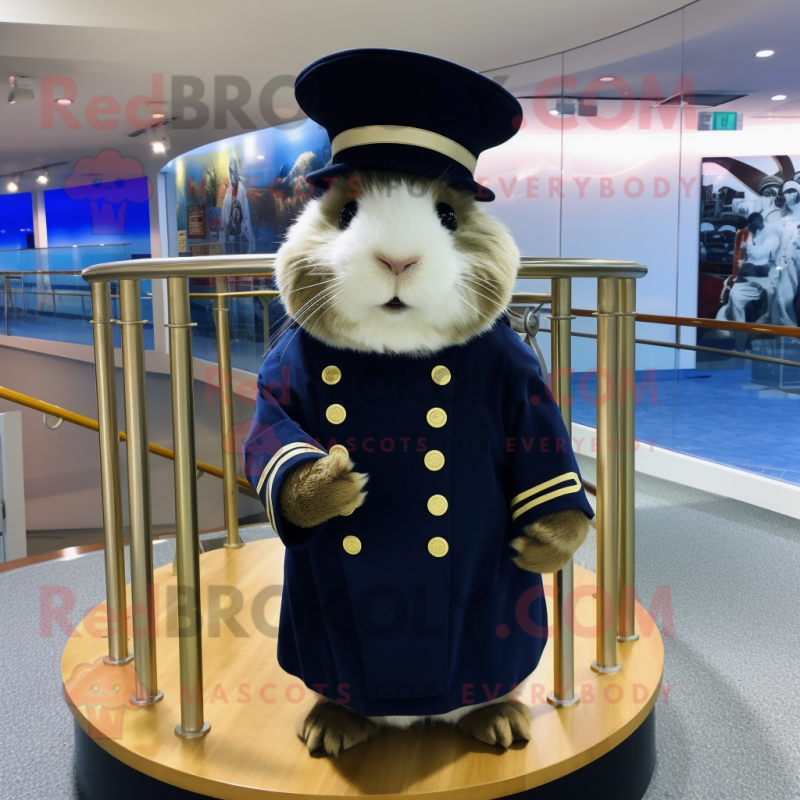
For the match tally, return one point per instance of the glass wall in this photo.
(649, 146)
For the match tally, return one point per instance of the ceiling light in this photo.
(765, 53)
(64, 101)
(779, 97)
(161, 141)
(554, 112)
(43, 177)
(607, 78)
(261, 158)
(13, 184)
(156, 116)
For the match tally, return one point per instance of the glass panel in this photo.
(62, 259)
(621, 166)
(58, 307)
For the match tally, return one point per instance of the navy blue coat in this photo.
(412, 604)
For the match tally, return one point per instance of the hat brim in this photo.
(321, 178)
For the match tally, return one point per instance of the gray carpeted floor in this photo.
(728, 728)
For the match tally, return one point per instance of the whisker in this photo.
(497, 300)
(328, 303)
(464, 299)
(292, 318)
(485, 284)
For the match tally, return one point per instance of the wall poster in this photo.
(750, 249)
(243, 193)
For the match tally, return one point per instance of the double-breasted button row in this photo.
(434, 461)
(437, 546)
(335, 413)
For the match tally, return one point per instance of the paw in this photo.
(499, 724)
(550, 542)
(330, 728)
(321, 490)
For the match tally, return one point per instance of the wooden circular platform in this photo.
(254, 708)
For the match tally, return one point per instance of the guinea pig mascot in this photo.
(404, 445)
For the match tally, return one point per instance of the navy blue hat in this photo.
(397, 111)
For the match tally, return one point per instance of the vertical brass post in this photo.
(142, 587)
(116, 601)
(230, 489)
(563, 693)
(607, 473)
(187, 556)
(626, 601)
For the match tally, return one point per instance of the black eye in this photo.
(347, 213)
(447, 216)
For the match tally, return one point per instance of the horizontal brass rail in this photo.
(263, 264)
(91, 424)
(695, 348)
(21, 273)
(711, 324)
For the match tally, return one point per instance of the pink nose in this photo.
(398, 265)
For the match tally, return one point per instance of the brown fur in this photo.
(499, 724)
(549, 543)
(490, 248)
(331, 728)
(321, 490)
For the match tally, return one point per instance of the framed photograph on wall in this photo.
(750, 252)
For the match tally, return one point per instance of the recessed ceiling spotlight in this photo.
(156, 116)
(607, 78)
(765, 53)
(779, 97)
(13, 184)
(43, 177)
(64, 101)
(161, 141)
(260, 158)
(554, 112)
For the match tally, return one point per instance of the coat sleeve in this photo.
(544, 477)
(277, 442)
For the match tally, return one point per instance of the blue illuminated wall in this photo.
(114, 216)
(16, 220)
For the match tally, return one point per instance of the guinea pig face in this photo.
(388, 264)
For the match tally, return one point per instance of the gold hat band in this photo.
(401, 134)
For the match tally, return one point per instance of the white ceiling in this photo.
(113, 48)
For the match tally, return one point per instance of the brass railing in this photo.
(615, 530)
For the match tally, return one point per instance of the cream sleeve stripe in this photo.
(571, 488)
(293, 450)
(286, 453)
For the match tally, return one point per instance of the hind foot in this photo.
(499, 724)
(330, 728)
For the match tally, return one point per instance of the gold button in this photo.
(335, 414)
(434, 460)
(441, 375)
(437, 505)
(331, 375)
(337, 447)
(436, 417)
(438, 547)
(352, 545)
